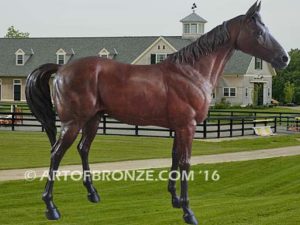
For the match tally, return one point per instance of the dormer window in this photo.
(258, 64)
(104, 53)
(61, 57)
(20, 55)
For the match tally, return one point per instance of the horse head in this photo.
(255, 39)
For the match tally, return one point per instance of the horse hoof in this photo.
(93, 197)
(52, 214)
(176, 202)
(190, 219)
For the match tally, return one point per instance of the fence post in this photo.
(275, 124)
(231, 125)
(13, 118)
(243, 127)
(254, 124)
(170, 133)
(266, 122)
(104, 124)
(219, 128)
(136, 130)
(204, 129)
(280, 117)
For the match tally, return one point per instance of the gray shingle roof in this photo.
(128, 48)
(238, 64)
(193, 17)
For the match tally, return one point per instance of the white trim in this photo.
(255, 75)
(104, 52)
(18, 53)
(151, 46)
(14, 89)
(61, 52)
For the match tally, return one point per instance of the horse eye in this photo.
(260, 33)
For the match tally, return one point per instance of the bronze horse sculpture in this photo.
(174, 94)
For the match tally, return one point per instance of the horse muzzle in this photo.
(281, 62)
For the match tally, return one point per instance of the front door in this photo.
(258, 94)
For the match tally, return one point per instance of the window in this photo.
(229, 92)
(201, 28)
(61, 56)
(258, 63)
(17, 90)
(186, 28)
(20, 59)
(194, 29)
(158, 58)
(104, 56)
(61, 59)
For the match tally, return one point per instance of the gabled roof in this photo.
(193, 17)
(128, 49)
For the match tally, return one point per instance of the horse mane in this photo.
(204, 45)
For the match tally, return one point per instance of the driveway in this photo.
(18, 174)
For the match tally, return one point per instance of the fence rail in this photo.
(232, 125)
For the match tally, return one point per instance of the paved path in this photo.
(18, 174)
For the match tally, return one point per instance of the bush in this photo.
(224, 104)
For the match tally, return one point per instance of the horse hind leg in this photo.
(89, 132)
(68, 135)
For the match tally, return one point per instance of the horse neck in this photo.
(218, 59)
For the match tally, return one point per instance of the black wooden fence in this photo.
(229, 124)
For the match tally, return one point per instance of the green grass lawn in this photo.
(261, 192)
(32, 149)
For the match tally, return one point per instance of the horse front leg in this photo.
(172, 181)
(185, 139)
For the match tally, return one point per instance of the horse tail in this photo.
(39, 98)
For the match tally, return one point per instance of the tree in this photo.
(291, 74)
(12, 32)
(289, 91)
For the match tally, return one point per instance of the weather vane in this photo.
(194, 7)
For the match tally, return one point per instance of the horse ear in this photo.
(253, 9)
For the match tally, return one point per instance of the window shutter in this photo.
(153, 58)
